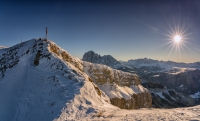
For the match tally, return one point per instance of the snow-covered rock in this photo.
(124, 89)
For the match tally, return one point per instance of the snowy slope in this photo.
(45, 90)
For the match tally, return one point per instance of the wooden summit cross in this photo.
(46, 32)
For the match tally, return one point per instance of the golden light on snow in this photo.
(177, 38)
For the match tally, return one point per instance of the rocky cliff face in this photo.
(124, 89)
(93, 57)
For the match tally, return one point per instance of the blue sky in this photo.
(124, 29)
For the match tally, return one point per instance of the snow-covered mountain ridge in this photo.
(41, 81)
(36, 84)
(107, 78)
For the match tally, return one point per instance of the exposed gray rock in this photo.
(108, 60)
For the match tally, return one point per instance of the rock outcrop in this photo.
(124, 89)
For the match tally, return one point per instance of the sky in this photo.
(124, 29)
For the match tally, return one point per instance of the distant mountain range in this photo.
(179, 83)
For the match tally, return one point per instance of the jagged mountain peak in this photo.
(91, 52)
(108, 60)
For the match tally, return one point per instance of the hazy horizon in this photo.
(109, 54)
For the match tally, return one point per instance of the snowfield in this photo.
(178, 114)
(38, 85)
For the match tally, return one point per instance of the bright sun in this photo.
(177, 38)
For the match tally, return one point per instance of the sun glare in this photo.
(177, 38)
